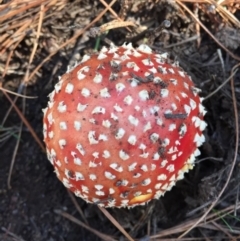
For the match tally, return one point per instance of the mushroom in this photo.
(123, 126)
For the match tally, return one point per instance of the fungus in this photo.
(123, 126)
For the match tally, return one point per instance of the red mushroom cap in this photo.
(123, 126)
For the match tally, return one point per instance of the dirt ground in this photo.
(34, 205)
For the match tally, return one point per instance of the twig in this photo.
(116, 223)
(187, 224)
(207, 31)
(201, 219)
(74, 220)
(11, 234)
(77, 206)
(35, 44)
(25, 122)
(70, 40)
(17, 94)
(14, 156)
(221, 85)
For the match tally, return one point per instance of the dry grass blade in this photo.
(221, 213)
(108, 7)
(7, 132)
(24, 104)
(13, 8)
(25, 78)
(70, 40)
(18, 35)
(74, 220)
(224, 230)
(187, 224)
(221, 8)
(188, 239)
(116, 223)
(14, 156)
(77, 207)
(10, 56)
(221, 86)
(206, 30)
(20, 17)
(10, 234)
(234, 158)
(25, 122)
(35, 44)
(17, 94)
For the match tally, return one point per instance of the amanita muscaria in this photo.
(123, 125)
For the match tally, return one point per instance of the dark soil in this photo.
(27, 209)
